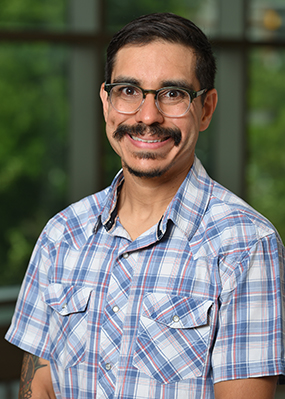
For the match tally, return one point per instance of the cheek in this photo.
(190, 132)
(114, 119)
(197, 115)
(110, 121)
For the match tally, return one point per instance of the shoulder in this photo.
(227, 209)
(231, 228)
(224, 213)
(76, 222)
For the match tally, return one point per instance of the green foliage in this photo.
(120, 12)
(33, 118)
(266, 139)
(40, 14)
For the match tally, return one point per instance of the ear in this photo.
(105, 101)
(208, 109)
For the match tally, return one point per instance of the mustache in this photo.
(155, 130)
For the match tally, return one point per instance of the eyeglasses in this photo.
(172, 101)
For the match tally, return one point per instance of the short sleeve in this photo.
(29, 326)
(250, 332)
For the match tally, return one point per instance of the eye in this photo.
(173, 94)
(128, 91)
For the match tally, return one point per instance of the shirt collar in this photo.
(109, 211)
(185, 210)
(190, 203)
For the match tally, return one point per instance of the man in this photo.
(165, 285)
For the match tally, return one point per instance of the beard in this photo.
(150, 174)
(154, 130)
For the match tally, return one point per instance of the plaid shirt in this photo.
(195, 300)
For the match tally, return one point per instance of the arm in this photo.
(251, 388)
(35, 380)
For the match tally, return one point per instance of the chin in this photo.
(147, 174)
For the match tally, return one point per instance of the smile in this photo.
(148, 141)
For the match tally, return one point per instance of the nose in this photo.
(148, 112)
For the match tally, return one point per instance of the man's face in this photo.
(154, 153)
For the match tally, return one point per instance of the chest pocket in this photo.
(68, 322)
(172, 342)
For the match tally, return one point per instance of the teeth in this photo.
(146, 141)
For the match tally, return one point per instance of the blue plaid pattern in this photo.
(195, 300)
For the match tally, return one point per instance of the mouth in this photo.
(135, 138)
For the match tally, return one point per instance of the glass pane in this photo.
(266, 140)
(266, 19)
(202, 12)
(34, 14)
(33, 136)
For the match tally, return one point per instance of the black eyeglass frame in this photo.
(193, 94)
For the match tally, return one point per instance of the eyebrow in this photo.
(178, 83)
(165, 83)
(125, 79)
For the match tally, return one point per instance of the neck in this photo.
(143, 201)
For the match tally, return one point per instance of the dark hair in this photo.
(170, 28)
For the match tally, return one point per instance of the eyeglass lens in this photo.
(171, 101)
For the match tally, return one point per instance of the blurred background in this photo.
(53, 149)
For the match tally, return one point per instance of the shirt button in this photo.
(175, 319)
(109, 224)
(116, 309)
(64, 306)
(108, 366)
(125, 255)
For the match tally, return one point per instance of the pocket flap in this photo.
(67, 299)
(176, 311)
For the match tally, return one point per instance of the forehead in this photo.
(154, 63)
